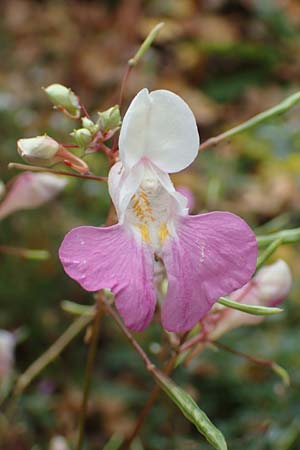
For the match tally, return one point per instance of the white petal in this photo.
(115, 177)
(166, 182)
(133, 132)
(160, 127)
(123, 185)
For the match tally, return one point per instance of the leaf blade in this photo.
(250, 309)
(191, 411)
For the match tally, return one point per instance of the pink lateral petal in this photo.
(110, 257)
(212, 255)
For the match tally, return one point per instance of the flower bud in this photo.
(82, 137)
(7, 348)
(109, 119)
(269, 287)
(65, 99)
(39, 150)
(90, 125)
(273, 283)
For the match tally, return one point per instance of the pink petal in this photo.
(30, 190)
(213, 255)
(99, 258)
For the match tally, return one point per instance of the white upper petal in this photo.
(159, 126)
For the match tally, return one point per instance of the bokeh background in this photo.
(229, 60)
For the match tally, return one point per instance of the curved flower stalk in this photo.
(205, 256)
(269, 287)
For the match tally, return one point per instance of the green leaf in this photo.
(250, 309)
(191, 411)
(77, 308)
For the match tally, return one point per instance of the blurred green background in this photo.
(229, 60)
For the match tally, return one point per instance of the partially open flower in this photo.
(7, 348)
(206, 256)
(39, 150)
(269, 287)
(30, 190)
(64, 99)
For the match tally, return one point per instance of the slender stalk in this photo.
(148, 405)
(26, 253)
(191, 342)
(291, 236)
(56, 172)
(149, 365)
(279, 370)
(51, 354)
(281, 108)
(89, 370)
(146, 44)
(267, 253)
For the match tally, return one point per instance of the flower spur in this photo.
(205, 256)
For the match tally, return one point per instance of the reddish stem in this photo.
(56, 172)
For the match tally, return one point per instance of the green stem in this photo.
(267, 253)
(281, 108)
(291, 236)
(146, 44)
(89, 370)
(51, 354)
(26, 253)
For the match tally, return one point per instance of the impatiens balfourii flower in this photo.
(205, 256)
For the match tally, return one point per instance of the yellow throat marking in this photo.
(144, 230)
(163, 232)
(141, 207)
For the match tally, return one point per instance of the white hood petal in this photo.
(159, 126)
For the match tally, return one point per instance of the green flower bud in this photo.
(109, 119)
(63, 98)
(82, 137)
(39, 150)
(90, 125)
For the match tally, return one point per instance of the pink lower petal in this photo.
(212, 255)
(112, 258)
